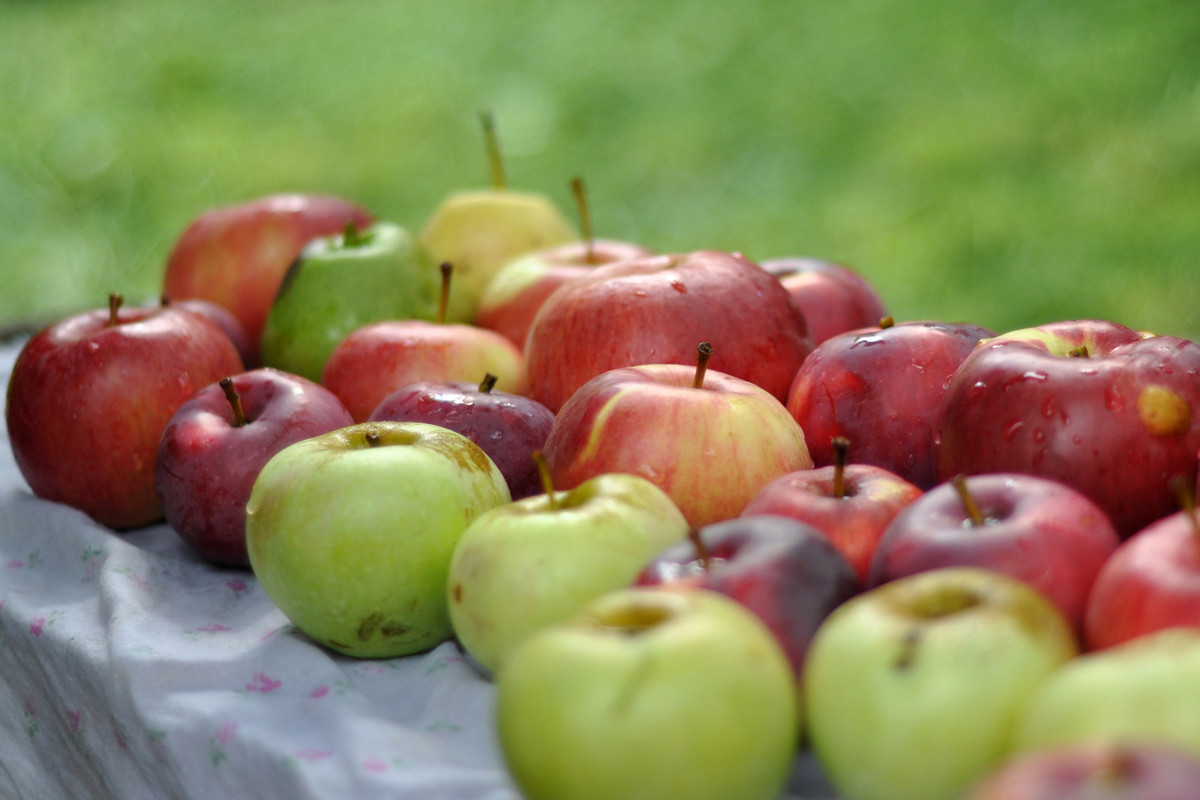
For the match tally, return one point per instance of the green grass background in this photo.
(1005, 163)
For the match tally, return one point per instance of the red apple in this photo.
(89, 397)
(1105, 409)
(881, 389)
(236, 255)
(653, 310)
(852, 504)
(509, 427)
(225, 319)
(834, 298)
(709, 440)
(1036, 530)
(217, 442)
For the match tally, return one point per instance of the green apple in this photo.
(1145, 689)
(340, 283)
(912, 688)
(534, 562)
(649, 694)
(351, 533)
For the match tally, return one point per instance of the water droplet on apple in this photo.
(867, 340)
(1035, 375)
(1011, 429)
(1048, 408)
(1039, 435)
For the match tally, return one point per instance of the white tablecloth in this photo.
(129, 668)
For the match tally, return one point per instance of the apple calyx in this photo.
(585, 219)
(1079, 352)
(115, 299)
(539, 458)
(235, 402)
(974, 514)
(704, 352)
(488, 383)
(492, 143)
(841, 445)
(372, 438)
(703, 556)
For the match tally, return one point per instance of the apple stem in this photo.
(444, 299)
(1186, 498)
(115, 299)
(968, 501)
(841, 445)
(547, 482)
(702, 553)
(887, 322)
(1079, 352)
(585, 219)
(492, 142)
(373, 438)
(235, 402)
(488, 383)
(352, 236)
(704, 352)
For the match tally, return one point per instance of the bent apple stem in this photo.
(235, 402)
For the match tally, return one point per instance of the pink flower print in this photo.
(213, 627)
(375, 764)
(319, 692)
(262, 683)
(225, 733)
(237, 585)
(312, 754)
(14, 564)
(74, 721)
(35, 627)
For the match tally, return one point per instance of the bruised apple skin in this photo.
(1098, 406)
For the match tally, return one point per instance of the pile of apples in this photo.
(692, 513)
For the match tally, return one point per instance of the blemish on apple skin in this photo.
(368, 626)
(908, 650)
(458, 592)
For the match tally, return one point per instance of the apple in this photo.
(537, 561)
(652, 311)
(1146, 689)
(1034, 529)
(217, 442)
(340, 283)
(236, 255)
(881, 389)
(708, 439)
(834, 298)
(350, 533)
(783, 570)
(1092, 771)
(912, 688)
(380, 358)
(1151, 582)
(90, 395)
(649, 693)
(509, 427)
(852, 504)
(226, 321)
(1091, 403)
(481, 231)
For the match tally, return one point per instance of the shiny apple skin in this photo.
(1016, 405)
(881, 389)
(508, 427)
(655, 311)
(834, 298)
(1037, 530)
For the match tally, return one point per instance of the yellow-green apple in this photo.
(881, 389)
(1146, 689)
(653, 310)
(537, 561)
(1105, 409)
(1034, 529)
(350, 533)
(509, 427)
(1132, 770)
(1151, 582)
(217, 442)
(482, 230)
(340, 283)
(708, 439)
(236, 255)
(912, 688)
(90, 395)
(834, 298)
(649, 693)
(852, 504)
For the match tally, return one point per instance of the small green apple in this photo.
(536, 561)
(1144, 689)
(912, 688)
(351, 533)
(340, 283)
(649, 694)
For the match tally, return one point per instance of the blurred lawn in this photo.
(1004, 163)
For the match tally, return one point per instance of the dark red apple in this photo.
(881, 389)
(89, 397)
(1113, 412)
(217, 442)
(653, 311)
(1037, 530)
(834, 298)
(225, 319)
(509, 427)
